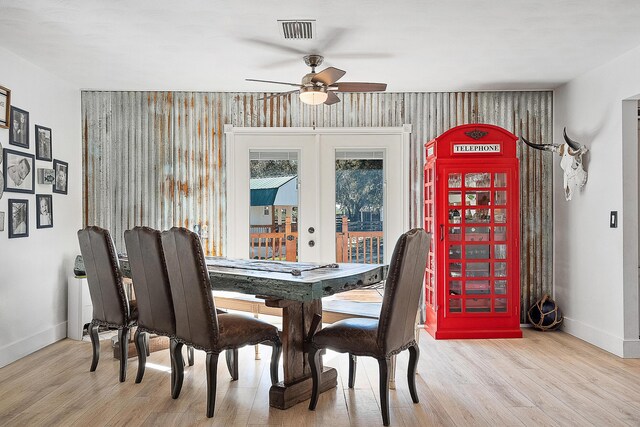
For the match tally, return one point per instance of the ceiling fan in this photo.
(319, 88)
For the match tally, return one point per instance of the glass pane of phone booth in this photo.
(477, 250)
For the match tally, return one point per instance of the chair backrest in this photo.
(195, 311)
(150, 280)
(402, 290)
(110, 304)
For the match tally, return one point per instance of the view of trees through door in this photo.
(359, 209)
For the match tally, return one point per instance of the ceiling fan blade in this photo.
(360, 87)
(271, 81)
(332, 98)
(335, 35)
(328, 76)
(277, 46)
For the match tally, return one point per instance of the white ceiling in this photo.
(413, 45)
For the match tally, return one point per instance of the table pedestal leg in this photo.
(296, 387)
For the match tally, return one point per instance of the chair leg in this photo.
(212, 381)
(232, 363)
(392, 373)
(146, 344)
(257, 346)
(190, 355)
(353, 362)
(414, 355)
(95, 344)
(141, 349)
(314, 364)
(123, 343)
(383, 367)
(276, 352)
(177, 368)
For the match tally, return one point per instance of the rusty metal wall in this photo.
(157, 158)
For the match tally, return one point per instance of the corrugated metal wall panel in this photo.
(157, 158)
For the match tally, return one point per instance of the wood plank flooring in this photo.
(544, 379)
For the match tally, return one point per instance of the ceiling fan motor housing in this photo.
(313, 61)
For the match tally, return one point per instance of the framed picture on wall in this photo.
(46, 176)
(5, 105)
(44, 217)
(62, 176)
(19, 172)
(43, 143)
(19, 128)
(18, 218)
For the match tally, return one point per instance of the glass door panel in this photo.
(477, 198)
(477, 234)
(478, 305)
(273, 216)
(476, 180)
(359, 207)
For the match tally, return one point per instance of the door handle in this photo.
(441, 232)
(312, 243)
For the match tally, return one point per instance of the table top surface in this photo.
(281, 279)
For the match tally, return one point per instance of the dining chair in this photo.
(153, 294)
(197, 322)
(391, 333)
(111, 306)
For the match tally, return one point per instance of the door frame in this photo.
(236, 203)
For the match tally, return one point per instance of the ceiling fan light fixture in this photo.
(313, 95)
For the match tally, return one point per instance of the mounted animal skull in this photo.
(571, 162)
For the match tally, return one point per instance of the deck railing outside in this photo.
(351, 246)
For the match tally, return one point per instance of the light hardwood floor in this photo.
(542, 379)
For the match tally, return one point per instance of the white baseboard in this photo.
(27, 345)
(611, 343)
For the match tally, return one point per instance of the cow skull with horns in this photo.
(571, 162)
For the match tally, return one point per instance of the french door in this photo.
(317, 195)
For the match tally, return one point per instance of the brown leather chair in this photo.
(381, 338)
(111, 306)
(153, 296)
(197, 323)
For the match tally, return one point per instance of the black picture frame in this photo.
(19, 127)
(5, 107)
(61, 184)
(44, 211)
(18, 171)
(18, 218)
(43, 143)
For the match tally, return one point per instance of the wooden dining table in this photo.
(296, 288)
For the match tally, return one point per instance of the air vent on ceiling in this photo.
(301, 29)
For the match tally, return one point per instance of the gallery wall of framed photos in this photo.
(20, 163)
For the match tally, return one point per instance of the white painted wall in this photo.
(596, 267)
(34, 270)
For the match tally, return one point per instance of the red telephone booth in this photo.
(471, 207)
